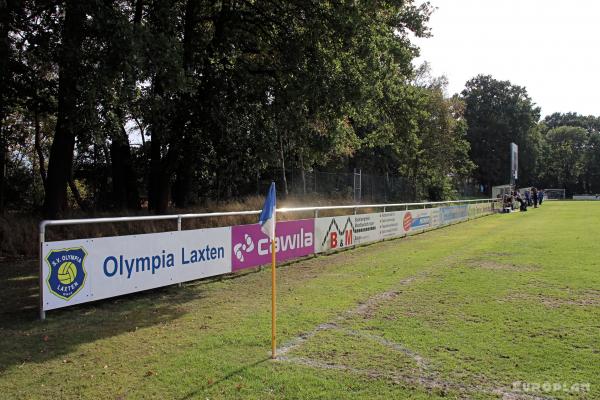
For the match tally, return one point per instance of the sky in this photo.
(550, 47)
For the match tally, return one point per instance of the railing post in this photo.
(316, 214)
(179, 229)
(41, 255)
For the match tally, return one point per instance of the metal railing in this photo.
(180, 217)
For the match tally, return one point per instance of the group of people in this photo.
(531, 197)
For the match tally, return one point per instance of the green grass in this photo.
(460, 312)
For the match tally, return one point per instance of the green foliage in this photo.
(571, 156)
(225, 94)
(565, 157)
(498, 113)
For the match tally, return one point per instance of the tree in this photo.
(587, 176)
(565, 158)
(324, 83)
(498, 113)
(592, 164)
(68, 125)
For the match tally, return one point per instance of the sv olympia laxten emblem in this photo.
(67, 274)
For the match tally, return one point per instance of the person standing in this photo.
(540, 196)
(534, 194)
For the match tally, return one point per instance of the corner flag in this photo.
(267, 216)
(267, 226)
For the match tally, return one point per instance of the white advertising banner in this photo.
(451, 214)
(79, 271)
(334, 233)
(392, 224)
(436, 219)
(367, 228)
(479, 209)
(419, 219)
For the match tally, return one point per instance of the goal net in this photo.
(554, 194)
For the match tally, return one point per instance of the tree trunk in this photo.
(38, 149)
(415, 179)
(2, 168)
(61, 153)
(184, 175)
(155, 171)
(6, 9)
(139, 8)
(285, 185)
(125, 193)
(303, 174)
(76, 195)
(182, 187)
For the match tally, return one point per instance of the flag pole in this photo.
(273, 297)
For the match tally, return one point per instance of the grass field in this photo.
(460, 312)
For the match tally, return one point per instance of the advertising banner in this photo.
(391, 224)
(473, 210)
(479, 209)
(419, 219)
(334, 233)
(78, 271)
(367, 228)
(454, 213)
(251, 247)
(436, 219)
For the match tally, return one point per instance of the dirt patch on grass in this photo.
(428, 380)
(587, 298)
(495, 265)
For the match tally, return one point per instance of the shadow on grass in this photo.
(195, 393)
(23, 338)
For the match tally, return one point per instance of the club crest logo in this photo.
(67, 273)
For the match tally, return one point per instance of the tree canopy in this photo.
(128, 104)
(498, 113)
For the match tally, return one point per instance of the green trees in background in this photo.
(214, 95)
(571, 157)
(123, 104)
(498, 113)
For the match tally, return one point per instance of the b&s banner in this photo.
(78, 271)
(251, 247)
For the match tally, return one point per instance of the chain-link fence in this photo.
(360, 187)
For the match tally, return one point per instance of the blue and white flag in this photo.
(267, 216)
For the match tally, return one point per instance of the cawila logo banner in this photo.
(251, 247)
